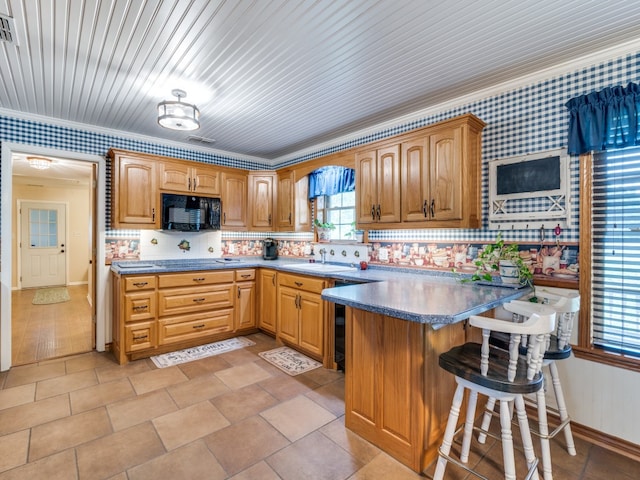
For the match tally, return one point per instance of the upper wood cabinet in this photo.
(182, 177)
(378, 185)
(262, 201)
(293, 211)
(429, 178)
(134, 191)
(234, 200)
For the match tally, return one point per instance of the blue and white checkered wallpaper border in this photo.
(529, 119)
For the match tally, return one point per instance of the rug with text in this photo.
(289, 360)
(201, 351)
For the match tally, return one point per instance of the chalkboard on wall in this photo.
(529, 191)
(528, 176)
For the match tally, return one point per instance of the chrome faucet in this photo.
(323, 254)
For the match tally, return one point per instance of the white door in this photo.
(43, 244)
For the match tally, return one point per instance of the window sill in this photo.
(607, 358)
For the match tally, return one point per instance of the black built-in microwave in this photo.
(190, 213)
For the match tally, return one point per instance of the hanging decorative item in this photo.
(184, 245)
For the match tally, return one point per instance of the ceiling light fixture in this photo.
(178, 115)
(39, 162)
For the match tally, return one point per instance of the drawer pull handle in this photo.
(246, 275)
(137, 308)
(199, 326)
(198, 300)
(140, 284)
(141, 337)
(299, 284)
(199, 279)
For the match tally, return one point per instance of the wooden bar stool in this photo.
(500, 374)
(566, 304)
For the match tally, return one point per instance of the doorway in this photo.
(52, 293)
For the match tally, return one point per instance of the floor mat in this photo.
(201, 351)
(289, 361)
(45, 296)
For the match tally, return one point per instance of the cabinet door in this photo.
(302, 209)
(285, 202)
(288, 315)
(234, 200)
(267, 291)
(366, 187)
(261, 201)
(445, 176)
(206, 180)
(139, 306)
(311, 323)
(415, 180)
(388, 206)
(175, 176)
(245, 305)
(135, 193)
(140, 336)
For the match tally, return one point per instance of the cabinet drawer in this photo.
(300, 282)
(197, 299)
(245, 275)
(187, 327)
(139, 306)
(195, 278)
(132, 284)
(140, 336)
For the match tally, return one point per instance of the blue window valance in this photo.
(331, 180)
(604, 120)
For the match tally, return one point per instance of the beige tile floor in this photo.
(232, 416)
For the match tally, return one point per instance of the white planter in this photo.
(324, 234)
(509, 272)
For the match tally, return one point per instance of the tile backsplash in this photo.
(550, 260)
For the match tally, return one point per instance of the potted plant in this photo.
(324, 230)
(357, 235)
(504, 259)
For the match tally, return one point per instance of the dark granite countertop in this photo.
(429, 297)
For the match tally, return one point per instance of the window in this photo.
(43, 228)
(339, 209)
(610, 255)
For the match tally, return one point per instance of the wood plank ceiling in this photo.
(272, 77)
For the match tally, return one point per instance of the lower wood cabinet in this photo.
(245, 310)
(154, 314)
(301, 313)
(396, 395)
(187, 327)
(267, 300)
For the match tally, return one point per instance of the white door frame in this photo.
(19, 223)
(6, 255)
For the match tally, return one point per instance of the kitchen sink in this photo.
(319, 267)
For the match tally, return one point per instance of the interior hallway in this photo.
(42, 332)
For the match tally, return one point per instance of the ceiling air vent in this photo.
(195, 138)
(7, 29)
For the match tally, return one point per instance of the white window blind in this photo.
(615, 272)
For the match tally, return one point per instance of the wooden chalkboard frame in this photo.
(509, 198)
